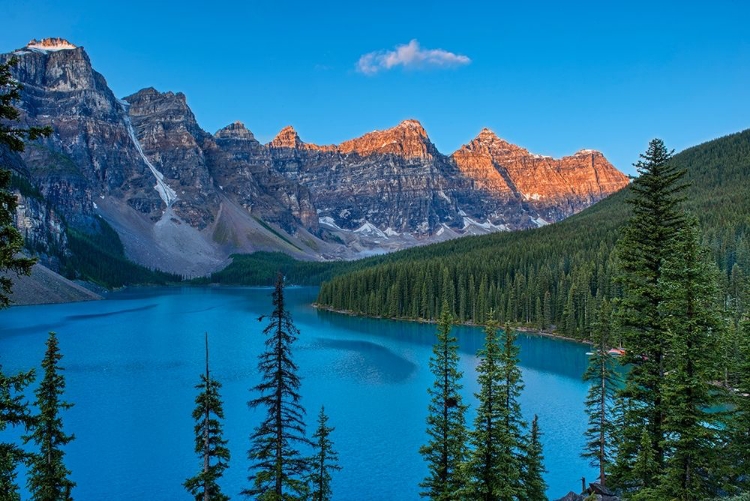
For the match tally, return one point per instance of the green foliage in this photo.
(494, 467)
(324, 461)
(11, 136)
(279, 235)
(446, 450)
(99, 257)
(210, 447)
(553, 277)
(739, 424)
(741, 497)
(260, 268)
(603, 379)
(25, 187)
(646, 243)
(533, 465)
(48, 477)
(278, 470)
(14, 411)
(693, 324)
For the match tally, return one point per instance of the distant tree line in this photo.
(555, 277)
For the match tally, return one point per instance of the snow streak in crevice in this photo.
(165, 192)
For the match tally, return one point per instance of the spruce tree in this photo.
(446, 451)
(48, 476)
(694, 325)
(532, 482)
(603, 378)
(645, 245)
(210, 447)
(277, 469)
(493, 467)
(512, 385)
(325, 460)
(14, 411)
(739, 424)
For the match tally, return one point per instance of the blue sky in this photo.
(548, 76)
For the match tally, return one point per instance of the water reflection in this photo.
(368, 362)
(539, 353)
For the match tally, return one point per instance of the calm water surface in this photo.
(132, 362)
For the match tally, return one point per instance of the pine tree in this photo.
(603, 378)
(533, 465)
(14, 411)
(493, 466)
(48, 477)
(278, 469)
(739, 424)
(644, 246)
(324, 461)
(210, 447)
(512, 385)
(694, 327)
(445, 452)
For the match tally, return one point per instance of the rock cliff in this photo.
(183, 199)
(556, 188)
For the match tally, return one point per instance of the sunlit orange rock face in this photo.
(287, 138)
(504, 168)
(408, 139)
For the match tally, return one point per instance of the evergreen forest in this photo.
(553, 278)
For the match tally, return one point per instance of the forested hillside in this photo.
(552, 277)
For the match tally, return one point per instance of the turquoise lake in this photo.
(132, 361)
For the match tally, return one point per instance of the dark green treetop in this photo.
(646, 243)
(446, 450)
(210, 445)
(278, 469)
(48, 478)
(324, 461)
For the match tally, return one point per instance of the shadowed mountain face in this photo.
(183, 199)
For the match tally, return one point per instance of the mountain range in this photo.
(183, 200)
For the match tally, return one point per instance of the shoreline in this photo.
(525, 330)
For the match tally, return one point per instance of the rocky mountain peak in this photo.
(413, 126)
(408, 139)
(490, 144)
(507, 169)
(487, 135)
(236, 130)
(50, 44)
(169, 105)
(287, 138)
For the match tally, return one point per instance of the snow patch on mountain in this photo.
(329, 221)
(487, 225)
(370, 230)
(167, 194)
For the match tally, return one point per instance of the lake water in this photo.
(132, 362)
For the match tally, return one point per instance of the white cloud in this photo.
(410, 56)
